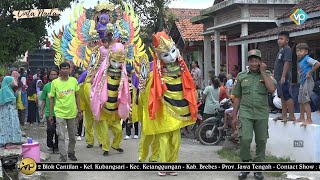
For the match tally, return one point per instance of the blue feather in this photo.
(130, 52)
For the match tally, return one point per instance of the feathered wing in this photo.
(58, 59)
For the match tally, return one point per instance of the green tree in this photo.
(18, 36)
(154, 16)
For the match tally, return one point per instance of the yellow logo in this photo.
(27, 166)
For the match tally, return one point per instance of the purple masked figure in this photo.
(102, 24)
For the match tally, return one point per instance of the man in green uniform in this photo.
(251, 96)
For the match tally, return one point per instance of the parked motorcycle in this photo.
(190, 131)
(208, 132)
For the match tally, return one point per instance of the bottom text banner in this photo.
(178, 167)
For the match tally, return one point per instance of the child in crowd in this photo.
(229, 83)
(129, 121)
(306, 67)
(32, 102)
(39, 87)
(20, 104)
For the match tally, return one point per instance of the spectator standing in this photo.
(211, 98)
(196, 74)
(10, 132)
(29, 77)
(44, 76)
(45, 108)
(32, 103)
(306, 67)
(20, 104)
(251, 97)
(39, 87)
(235, 71)
(22, 72)
(282, 74)
(37, 75)
(64, 90)
(223, 91)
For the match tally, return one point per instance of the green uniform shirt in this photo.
(45, 97)
(253, 95)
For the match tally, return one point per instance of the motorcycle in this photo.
(191, 130)
(208, 132)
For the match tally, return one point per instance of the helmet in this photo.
(277, 102)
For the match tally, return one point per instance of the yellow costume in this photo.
(88, 118)
(109, 115)
(172, 98)
(147, 140)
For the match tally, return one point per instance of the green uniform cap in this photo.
(254, 52)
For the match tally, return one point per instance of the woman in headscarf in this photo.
(10, 132)
(32, 102)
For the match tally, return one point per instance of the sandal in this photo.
(278, 119)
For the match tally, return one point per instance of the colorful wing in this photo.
(58, 59)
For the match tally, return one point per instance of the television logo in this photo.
(299, 17)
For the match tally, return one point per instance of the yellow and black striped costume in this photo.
(109, 116)
(111, 106)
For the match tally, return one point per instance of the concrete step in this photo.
(302, 175)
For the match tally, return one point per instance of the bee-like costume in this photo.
(172, 98)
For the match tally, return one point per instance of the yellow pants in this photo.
(88, 120)
(170, 146)
(116, 129)
(145, 142)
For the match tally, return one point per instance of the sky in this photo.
(65, 15)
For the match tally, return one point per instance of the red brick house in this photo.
(188, 36)
(308, 32)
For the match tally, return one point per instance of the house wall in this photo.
(259, 11)
(227, 15)
(269, 51)
(272, 11)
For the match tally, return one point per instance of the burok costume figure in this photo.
(172, 99)
(110, 96)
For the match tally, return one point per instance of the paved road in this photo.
(190, 151)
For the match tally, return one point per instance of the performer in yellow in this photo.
(110, 97)
(172, 99)
(140, 109)
(88, 118)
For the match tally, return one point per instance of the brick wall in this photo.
(279, 10)
(269, 51)
(259, 11)
(227, 15)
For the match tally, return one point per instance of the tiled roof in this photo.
(185, 13)
(307, 6)
(291, 28)
(188, 31)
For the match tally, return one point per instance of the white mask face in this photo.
(170, 57)
(115, 64)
